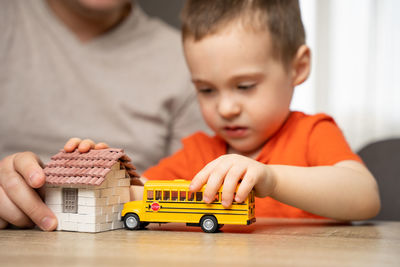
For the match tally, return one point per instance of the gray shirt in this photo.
(129, 87)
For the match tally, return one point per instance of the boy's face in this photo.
(243, 91)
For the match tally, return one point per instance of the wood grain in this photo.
(275, 242)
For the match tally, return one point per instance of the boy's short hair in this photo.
(281, 17)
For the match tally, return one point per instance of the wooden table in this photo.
(273, 242)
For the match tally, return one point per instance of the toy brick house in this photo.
(86, 191)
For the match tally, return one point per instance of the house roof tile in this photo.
(88, 168)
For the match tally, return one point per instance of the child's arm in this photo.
(344, 191)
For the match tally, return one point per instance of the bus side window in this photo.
(182, 195)
(199, 196)
(150, 194)
(216, 198)
(191, 196)
(158, 195)
(166, 195)
(174, 195)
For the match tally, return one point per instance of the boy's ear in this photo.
(301, 65)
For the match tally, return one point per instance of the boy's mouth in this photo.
(235, 131)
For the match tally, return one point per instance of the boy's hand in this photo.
(83, 146)
(21, 177)
(228, 170)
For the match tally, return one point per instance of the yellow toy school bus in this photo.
(171, 201)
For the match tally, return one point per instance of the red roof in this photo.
(86, 168)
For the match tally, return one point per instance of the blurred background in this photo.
(356, 62)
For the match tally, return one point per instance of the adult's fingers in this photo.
(29, 166)
(24, 197)
(83, 146)
(101, 146)
(72, 144)
(11, 213)
(86, 145)
(3, 224)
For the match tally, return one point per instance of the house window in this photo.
(70, 200)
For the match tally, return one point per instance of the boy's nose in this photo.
(228, 108)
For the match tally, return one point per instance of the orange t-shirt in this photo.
(303, 140)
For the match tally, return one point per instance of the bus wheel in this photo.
(209, 224)
(131, 221)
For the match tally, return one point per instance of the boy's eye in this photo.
(205, 90)
(246, 86)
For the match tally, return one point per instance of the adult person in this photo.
(66, 64)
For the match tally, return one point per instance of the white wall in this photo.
(356, 61)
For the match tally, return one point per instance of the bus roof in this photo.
(179, 184)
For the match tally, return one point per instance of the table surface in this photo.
(275, 242)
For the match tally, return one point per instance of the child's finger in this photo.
(28, 165)
(247, 184)
(101, 146)
(86, 145)
(201, 177)
(215, 180)
(230, 184)
(198, 181)
(72, 144)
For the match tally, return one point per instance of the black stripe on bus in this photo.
(200, 209)
(189, 202)
(213, 213)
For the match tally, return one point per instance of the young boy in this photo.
(245, 59)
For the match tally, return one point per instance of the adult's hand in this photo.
(21, 180)
(83, 146)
